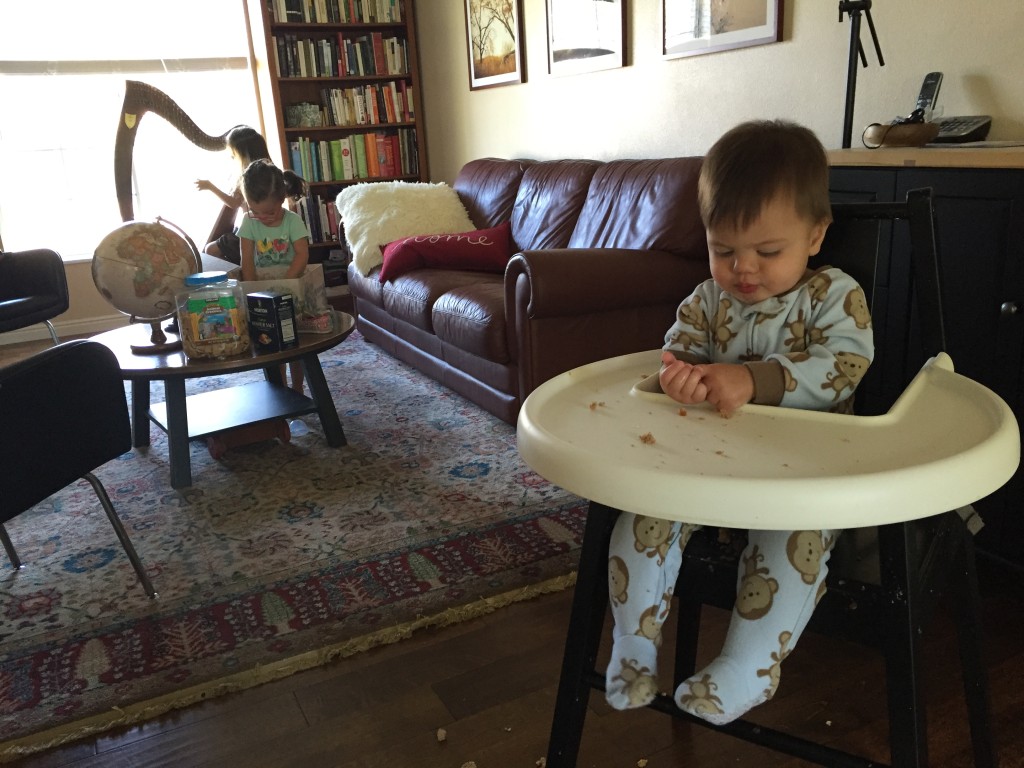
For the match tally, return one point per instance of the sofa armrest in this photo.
(571, 281)
(568, 307)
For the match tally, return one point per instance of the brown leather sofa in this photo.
(605, 251)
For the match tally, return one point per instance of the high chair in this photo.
(946, 442)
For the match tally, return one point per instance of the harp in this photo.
(140, 98)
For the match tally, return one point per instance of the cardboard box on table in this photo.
(272, 320)
(312, 312)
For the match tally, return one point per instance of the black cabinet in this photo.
(980, 228)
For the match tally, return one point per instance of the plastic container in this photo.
(212, 316)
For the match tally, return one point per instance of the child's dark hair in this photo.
(756, 161)
(247, 144)
(262, 180)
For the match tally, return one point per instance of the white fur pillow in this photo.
(377, 213)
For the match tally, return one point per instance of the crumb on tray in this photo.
(647, 438)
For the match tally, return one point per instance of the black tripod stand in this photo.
(855, 8)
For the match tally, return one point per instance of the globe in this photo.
(140, 267)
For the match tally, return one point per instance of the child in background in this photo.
(765, 329)
(274, 240)
(246, 145)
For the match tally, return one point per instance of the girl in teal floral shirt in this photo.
(274, 240)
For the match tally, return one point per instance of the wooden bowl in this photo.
(906, 135)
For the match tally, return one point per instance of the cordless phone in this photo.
(925, 101)
(957, 129)
(929, 94)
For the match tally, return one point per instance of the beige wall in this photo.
(656, 108)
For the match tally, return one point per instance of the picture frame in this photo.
(694, 27)
(586, 35)
(496, 45)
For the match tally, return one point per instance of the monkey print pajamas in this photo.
(808, 348)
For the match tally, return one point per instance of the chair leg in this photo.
(122, 534)
(688, 615)
(53, 332)
(586, 624)
(9, 547)
(966, 599)
(908, 738)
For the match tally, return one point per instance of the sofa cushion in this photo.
(472, 318)
(488, 187)
(411, 297)
(626, 208)
(376, 213)
(482, 250)
(549, 201)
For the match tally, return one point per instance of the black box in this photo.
(272, 320)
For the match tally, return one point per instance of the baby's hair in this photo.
(753, 163)
(247, 144)
(262, 180)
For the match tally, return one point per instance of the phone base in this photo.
(906, 135)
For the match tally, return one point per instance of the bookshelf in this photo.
(356, 62)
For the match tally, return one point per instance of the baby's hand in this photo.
(729, 386)
(203, 184)
(681, 381)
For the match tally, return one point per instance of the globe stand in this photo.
(158, 343)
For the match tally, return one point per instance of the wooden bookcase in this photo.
(358, 61)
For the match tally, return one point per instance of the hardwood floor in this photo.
(490, 683)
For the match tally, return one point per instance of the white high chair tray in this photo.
(947, 442)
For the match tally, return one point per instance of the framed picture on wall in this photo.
(586, 35)
(494, 33)
(692, 27)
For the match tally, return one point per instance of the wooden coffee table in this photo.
(187, 418)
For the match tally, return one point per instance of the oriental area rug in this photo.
(279, 558)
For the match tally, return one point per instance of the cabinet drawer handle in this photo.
(1008, 309)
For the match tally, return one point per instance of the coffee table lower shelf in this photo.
(215, 411)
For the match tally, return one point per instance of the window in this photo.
(62, 78)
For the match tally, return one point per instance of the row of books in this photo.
(321, 217)
(371, 54)
(373, 155)
(336, 11)
(367, 104)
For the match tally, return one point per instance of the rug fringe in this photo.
(240, 681)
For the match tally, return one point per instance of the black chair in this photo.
(33, 289)
(64, 414)
(887, 598)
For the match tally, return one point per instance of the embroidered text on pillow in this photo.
(482, 250)
(478, 237)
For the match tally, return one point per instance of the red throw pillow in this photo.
(484, 250)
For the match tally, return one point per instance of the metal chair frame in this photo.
(33, 289)
(23, 388)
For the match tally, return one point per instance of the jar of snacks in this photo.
(211, 316)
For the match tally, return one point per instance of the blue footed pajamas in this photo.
(808, 348)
